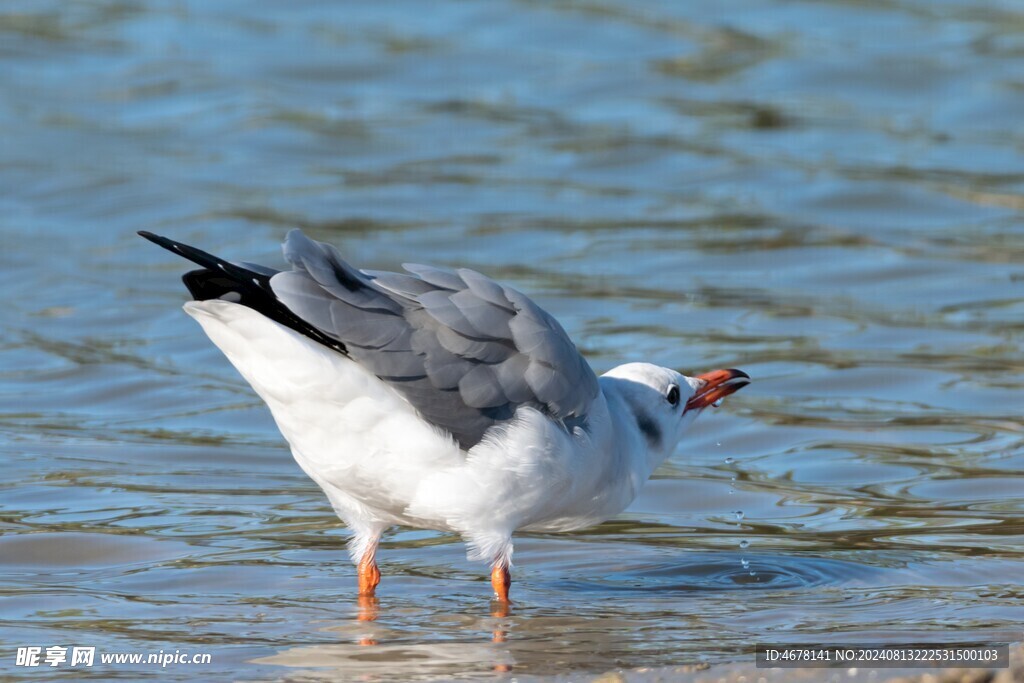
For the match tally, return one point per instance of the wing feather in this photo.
(464, 350)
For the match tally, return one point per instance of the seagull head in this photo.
(663, 403)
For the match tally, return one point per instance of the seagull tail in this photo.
(246, 284)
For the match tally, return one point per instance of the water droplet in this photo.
(744, 543)
(745, 563)
(729, 461)
(752, 572)
(739, 514)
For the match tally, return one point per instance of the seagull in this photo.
(439, 399)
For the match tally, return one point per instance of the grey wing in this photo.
(465, 351)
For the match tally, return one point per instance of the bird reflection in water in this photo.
(500, 610)
(369, 610)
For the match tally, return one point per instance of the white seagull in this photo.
(440, 400)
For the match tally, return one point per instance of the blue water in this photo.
(829, 195)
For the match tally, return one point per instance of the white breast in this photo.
(380, 463)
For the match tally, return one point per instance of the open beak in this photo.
(717, 385)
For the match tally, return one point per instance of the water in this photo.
(828, 195)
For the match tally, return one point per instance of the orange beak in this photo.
(717, 385)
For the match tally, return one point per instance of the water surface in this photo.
(828, 195)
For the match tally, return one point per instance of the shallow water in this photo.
(828, 195)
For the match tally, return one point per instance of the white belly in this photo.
(381, 464)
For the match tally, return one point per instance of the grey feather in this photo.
(324, 264)
(512, 375)
(480, 388)
(487, 319)
(435, 276)
(463, 350)
(472, 349)
(352, 325)
(485, 288)
(445, 370)
(441, 307)
(404, 285)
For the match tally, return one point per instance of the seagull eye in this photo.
(673, 395)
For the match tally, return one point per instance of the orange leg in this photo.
(501, 580)
(369, 575)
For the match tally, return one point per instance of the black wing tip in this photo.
(191, 253)
(159, 240)
(219, 277)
